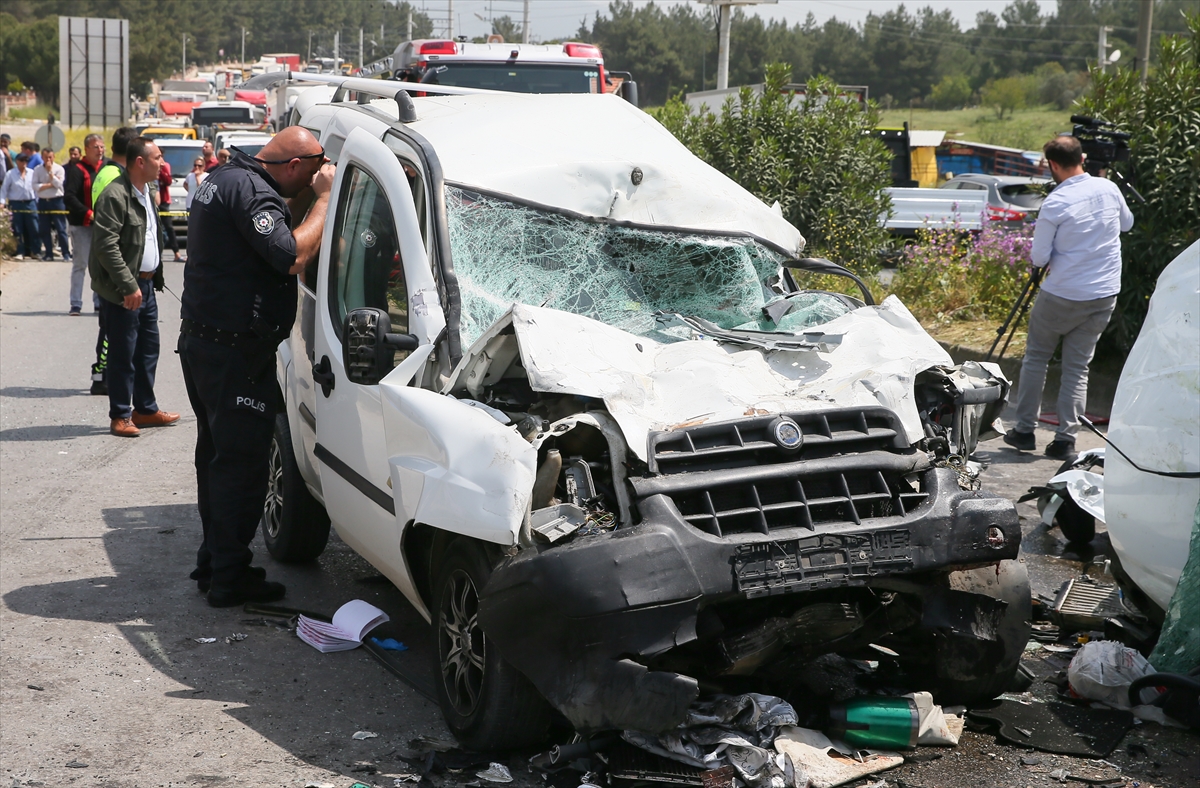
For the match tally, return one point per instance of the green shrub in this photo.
(816, 158)
(953, 91)
(1164, 119)
(1005, 95)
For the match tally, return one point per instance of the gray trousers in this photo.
(81, 246)
(1078, 325)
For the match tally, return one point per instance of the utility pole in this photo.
(183, 73)
(309, 59)
(408, 37)
(337, 67)
(450, 19)
(243, 49)
(1104, 59)
(724, 16)
(1145, 20)
(525, 24)
(361, 60)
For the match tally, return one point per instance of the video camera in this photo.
(1103, 145)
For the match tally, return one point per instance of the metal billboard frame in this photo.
(93, 71)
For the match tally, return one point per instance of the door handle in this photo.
(323, 376)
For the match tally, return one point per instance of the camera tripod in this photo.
(1017, 313)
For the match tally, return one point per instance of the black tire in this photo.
(294, 524)
(960, 669)
(487, 703)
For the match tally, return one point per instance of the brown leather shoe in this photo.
(124, 428)
(156, 419)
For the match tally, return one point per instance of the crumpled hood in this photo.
(648, 385)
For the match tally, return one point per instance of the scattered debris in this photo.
(36, 687)
(495, 773)
(75, 765)
(205, 640)
(365, 767)
(389, 644)
(431, 743)
(236, 637)
(1056, 727)
(825, 763)
(1084, 604)
(360, 735)
(318, 785)
(405, 777)
(1103, 671)
(1030, 760)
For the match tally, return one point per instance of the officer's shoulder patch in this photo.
(264, 222)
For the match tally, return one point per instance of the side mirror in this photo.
(368, 346)
(629, 91)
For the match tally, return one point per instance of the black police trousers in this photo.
(235, 419)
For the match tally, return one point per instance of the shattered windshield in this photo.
(506, 253)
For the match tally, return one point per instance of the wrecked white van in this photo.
(563, 384)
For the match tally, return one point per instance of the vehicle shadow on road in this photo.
(307, 703)
(52, 432)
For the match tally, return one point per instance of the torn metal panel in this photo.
(471, 475)
(647, 385)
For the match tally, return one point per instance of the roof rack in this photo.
(383, 88)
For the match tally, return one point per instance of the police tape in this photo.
(64, 213)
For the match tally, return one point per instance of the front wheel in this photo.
(487, 703)
(295, 525)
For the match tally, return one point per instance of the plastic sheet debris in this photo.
(403, 778)
(236, 637)
(205, 640)
(360, 735)
(495, 773)
(819, 762)
(737, 731)
(1103, 670)
(389, 644)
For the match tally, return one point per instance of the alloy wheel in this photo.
(461, 645)
(273, 505)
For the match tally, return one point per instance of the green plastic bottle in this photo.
(875, 723)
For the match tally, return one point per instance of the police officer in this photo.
(239, 302)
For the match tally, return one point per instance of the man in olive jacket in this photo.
(126, 268)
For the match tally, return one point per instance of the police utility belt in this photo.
(241, 340)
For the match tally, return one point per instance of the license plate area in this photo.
(821, 561)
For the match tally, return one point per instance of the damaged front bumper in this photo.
(583, 619)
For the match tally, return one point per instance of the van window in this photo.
(366, 269)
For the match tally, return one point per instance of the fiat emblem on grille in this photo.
(786, 433)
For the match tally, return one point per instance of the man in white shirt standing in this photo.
(126, 268)
(52, 211)
(18, 194)
(1077, 240)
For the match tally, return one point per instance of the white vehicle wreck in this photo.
(562, 383)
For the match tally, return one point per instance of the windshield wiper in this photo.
(767, 340)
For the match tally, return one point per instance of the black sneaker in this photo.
(1020, 440)
(204, 579)
(1061, 450)
(99, 388)
(251, 589)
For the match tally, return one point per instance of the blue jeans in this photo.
(25, 226)
(132, 354)
(57, 221)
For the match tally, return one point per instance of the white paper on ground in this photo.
(934, 724)
(351, 623)
(810, 751)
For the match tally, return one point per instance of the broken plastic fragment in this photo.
(496, 773)
(404, 777)
(205, 640)
(556, 522)
(360, 735)
(389, 644)
(236, 637)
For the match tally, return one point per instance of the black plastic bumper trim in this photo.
(360, 482)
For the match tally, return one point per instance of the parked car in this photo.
(564, 385)
(1012, 200)
(248, 143)
(180, 153)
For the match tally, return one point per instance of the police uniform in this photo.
(239, 303)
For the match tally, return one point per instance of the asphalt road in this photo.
(102, 682)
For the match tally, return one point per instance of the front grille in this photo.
(747, 442)
(800, 500)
